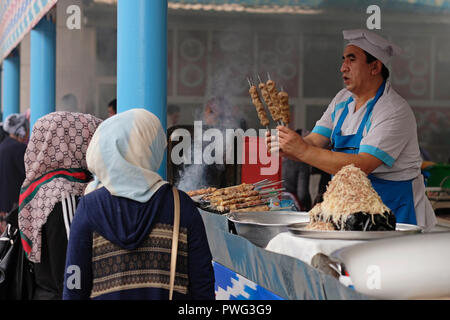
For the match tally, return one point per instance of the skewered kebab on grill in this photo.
(238, 200)
(200, 191)
(229, 190)
(242, 205)
(211, 193)
(239, 197)
(243, 200)
(244, 187)
(232, 196)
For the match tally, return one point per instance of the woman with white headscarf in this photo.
(56, 177)
(120, 240)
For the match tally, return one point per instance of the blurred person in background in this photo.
(56, 176)
(3, 133)
(69, 102)
(121, 235)
(173, 115)
(112, 108)
(12, 168)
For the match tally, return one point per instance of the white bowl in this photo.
(409, 267)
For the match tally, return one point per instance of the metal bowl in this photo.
(260, 227)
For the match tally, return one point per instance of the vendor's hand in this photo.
(289, 143)
(273, 146)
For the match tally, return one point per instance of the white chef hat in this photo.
(369, 41)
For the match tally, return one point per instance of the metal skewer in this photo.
(249, 82)
(260, 182)
(259, 78)
(263, 192)
(279, 122)
(269, 184)
(264, 102)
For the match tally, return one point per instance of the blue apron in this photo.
(396, 195)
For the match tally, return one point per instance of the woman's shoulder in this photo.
(96, 194)
(186, 202)
(188, 209)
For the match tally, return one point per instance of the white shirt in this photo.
(390, 135)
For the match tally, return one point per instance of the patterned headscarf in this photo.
(125, 153)
(16, 124)
(55, 166)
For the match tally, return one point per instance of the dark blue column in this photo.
(142, 58)
(11, 85)
(42, 70)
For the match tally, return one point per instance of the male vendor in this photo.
(371, 126)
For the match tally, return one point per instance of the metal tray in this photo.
(197, 198)
(298, 229)
(275, 218)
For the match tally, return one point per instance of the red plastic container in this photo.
(257, 165)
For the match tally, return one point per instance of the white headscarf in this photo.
(125, 153)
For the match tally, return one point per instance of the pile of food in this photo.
(351, 203)
(239, 198)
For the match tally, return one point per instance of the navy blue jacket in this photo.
(12, 172)
(121, 249)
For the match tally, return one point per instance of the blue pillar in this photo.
(42, 69)
(142, 58)
(11, 85)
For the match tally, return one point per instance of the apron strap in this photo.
(337, 129)
(370, 106)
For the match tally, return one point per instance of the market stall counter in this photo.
(251, 268)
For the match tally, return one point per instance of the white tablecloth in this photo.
(305, 249)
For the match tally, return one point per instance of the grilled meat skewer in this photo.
(274, 112)
(273, 92)
(284, 105)
(234, 195)
(229, 190)
(259, 106)
(241, 205)
(198, 192)
(238, 200)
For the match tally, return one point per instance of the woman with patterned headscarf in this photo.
(121, 235)
(56, 177)
(12, 169)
